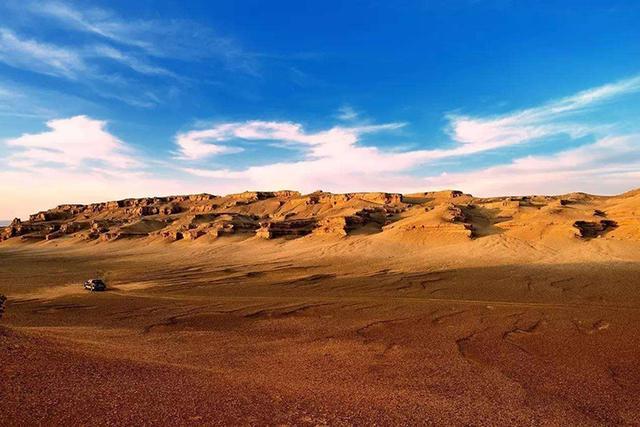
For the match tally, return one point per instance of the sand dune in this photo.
(365, 308)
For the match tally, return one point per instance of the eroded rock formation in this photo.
(591, 229)
(446, 216)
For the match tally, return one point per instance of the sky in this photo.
(115, 99)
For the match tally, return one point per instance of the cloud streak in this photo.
(554, 118)
(129, 61)
(39, 57)
(162, 39)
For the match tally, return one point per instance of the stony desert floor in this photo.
(321, 330)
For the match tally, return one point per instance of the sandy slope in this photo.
(402, 324)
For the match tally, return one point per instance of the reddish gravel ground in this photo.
(235, 338)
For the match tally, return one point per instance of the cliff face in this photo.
(443, 215)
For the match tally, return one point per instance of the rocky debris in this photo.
(591, 229)
(3, 300)
(338, 225)
(432, 196)
(320, 197)
(36, 236)
(170, 209)
(49, 216)
(202, 208)
(598, 212)
(194, 226)
(577, 197)
(381, 198)
(53, 235)
(454, 213)
(144, 211)
(254, 196)
(7, 233)
(105, 237)
(171, 235)
(73, 227)
(193, 234)
(201, 197)
(28, 230)
(343, 225)
(294, 228)
(99, 227)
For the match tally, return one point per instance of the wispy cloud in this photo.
(114, 57)
(39, 57)
(69, 62)
(130, 61)
(79, 66)
(347, 113)
(183, 40)
(17, 100)
(554, 118)
(90, 19)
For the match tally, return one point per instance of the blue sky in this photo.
(102, 100)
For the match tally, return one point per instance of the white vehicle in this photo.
(95, 285)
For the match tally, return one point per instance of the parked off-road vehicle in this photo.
(95, 285)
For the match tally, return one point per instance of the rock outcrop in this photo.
(591, 229)
(447, 216)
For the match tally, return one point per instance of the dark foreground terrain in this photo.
(313, 332)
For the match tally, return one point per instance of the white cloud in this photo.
(77, 161)
(610, 165)
(71, 142)
(554, 118)
(195, 145)
(333, 158)
(198, 144)
(336, 160)
(39, 57)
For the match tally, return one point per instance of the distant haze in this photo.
(4, 222)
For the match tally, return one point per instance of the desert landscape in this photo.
(280, 308)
